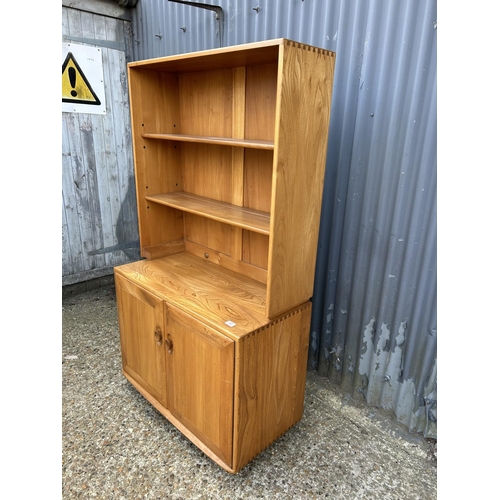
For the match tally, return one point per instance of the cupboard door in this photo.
(200, 374)
(141, 319)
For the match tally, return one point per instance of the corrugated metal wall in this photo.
(374, 317)
(99, 213)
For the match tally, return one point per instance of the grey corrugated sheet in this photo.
(374, 317)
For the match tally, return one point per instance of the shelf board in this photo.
(222, 141)
(246, 218)
(251, 54)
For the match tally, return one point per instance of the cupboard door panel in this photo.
(141, 319)
(200, 373)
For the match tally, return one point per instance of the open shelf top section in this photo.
(249, 54)
(223, 141)
(246, 218)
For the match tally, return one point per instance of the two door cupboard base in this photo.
(231, 394)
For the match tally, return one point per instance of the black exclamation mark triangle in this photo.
(72, 80)
(79, 90)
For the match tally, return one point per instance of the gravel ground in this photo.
(115, 445)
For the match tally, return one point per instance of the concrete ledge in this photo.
(86, 286)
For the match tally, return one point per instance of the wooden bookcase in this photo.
(229, 151)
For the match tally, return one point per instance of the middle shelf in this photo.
(222, 141)
(246, 218)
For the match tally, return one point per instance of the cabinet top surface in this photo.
(227, 301)
(236, 55)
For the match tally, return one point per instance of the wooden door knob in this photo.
(169, 344)
(158, 336)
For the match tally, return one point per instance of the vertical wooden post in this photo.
(239, 79)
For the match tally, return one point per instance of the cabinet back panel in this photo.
(209, 233)
(258, 177)
(207, 171)
(258, 173)
(255, 249)
(260, 106)
(206, 103)
(164, 172)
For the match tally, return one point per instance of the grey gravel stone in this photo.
(117, 446)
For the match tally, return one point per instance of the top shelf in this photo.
(250, 54)
(228, 57)
(222, 141)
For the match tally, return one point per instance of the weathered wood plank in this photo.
(99, 206)
(87, 23)
(72, 259)
(74, 23)
(122, 184)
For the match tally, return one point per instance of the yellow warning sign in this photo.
(75, 86)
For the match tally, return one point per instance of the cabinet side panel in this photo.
(271, 369)
(304, 101)
(154, 108)
(163, 230)
(136, 107)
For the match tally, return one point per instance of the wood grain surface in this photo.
(208, 292)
